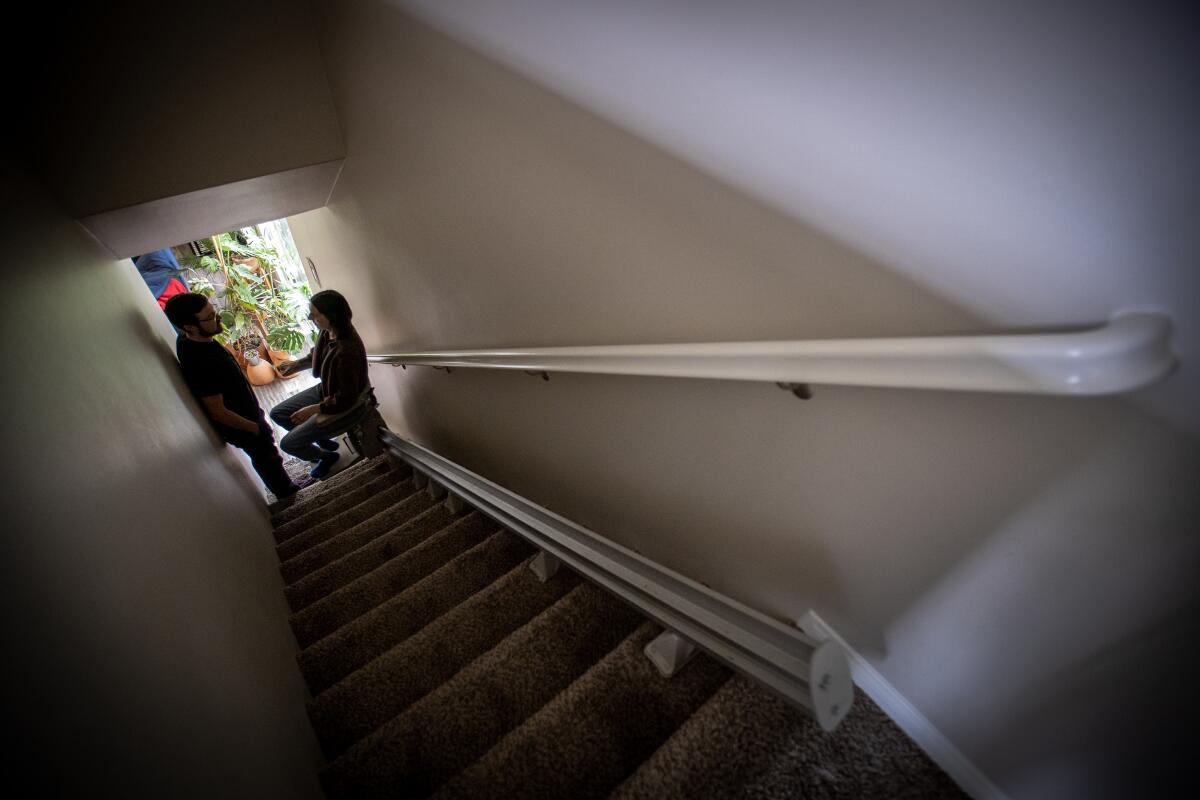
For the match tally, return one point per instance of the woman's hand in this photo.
(304, 413)
(287, 368)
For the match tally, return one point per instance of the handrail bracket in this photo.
(802, 390)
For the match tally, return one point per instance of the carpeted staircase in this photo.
(441, 666)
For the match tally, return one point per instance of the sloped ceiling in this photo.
(128, 232)
(1035, 164)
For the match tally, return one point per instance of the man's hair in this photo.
(182, 308)
(335, 308)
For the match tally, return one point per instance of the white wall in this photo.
(1021, 568)
(1034, 164)
(146, 638)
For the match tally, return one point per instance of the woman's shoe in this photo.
(324, 464)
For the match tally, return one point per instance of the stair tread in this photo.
(747, 743)
(452, 726)
(354, 645)
(373, 589)
(334, 504)
(597, 731)
(391, 512)
(282, 511)
(387, 492)
(378, 551)
(385, 687)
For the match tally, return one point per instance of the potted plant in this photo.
(264, 313)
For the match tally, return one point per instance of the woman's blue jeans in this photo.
(301, 439)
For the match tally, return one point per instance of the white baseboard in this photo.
(905, 714)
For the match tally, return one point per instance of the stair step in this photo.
(342, 652)
(335, 503)
(308, 498)
(348, 568)
(746, 742)
(373, 589)
(596, 732)
(360, 529)
(739, 735)
(452, 726)
(344, 520)
(385, 687)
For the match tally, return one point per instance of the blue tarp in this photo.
(157, 269)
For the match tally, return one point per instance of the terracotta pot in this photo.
(250, 261)
(260, 373)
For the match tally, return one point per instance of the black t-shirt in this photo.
(209, 369)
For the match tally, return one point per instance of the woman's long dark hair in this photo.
(335, 308)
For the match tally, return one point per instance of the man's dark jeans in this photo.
(264, 457)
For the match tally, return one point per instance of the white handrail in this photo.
(1131, 351)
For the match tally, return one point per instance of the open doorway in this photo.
(255, 280)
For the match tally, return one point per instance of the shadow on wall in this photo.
(1087, 587)
(139, 580)
(1136, 694)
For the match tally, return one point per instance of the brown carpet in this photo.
(318, 494)
(440, 665)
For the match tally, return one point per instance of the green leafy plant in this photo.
(288, 327)
(256, 295)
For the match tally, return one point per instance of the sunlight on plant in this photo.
(258, 292)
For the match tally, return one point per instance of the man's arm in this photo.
(215, 406)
